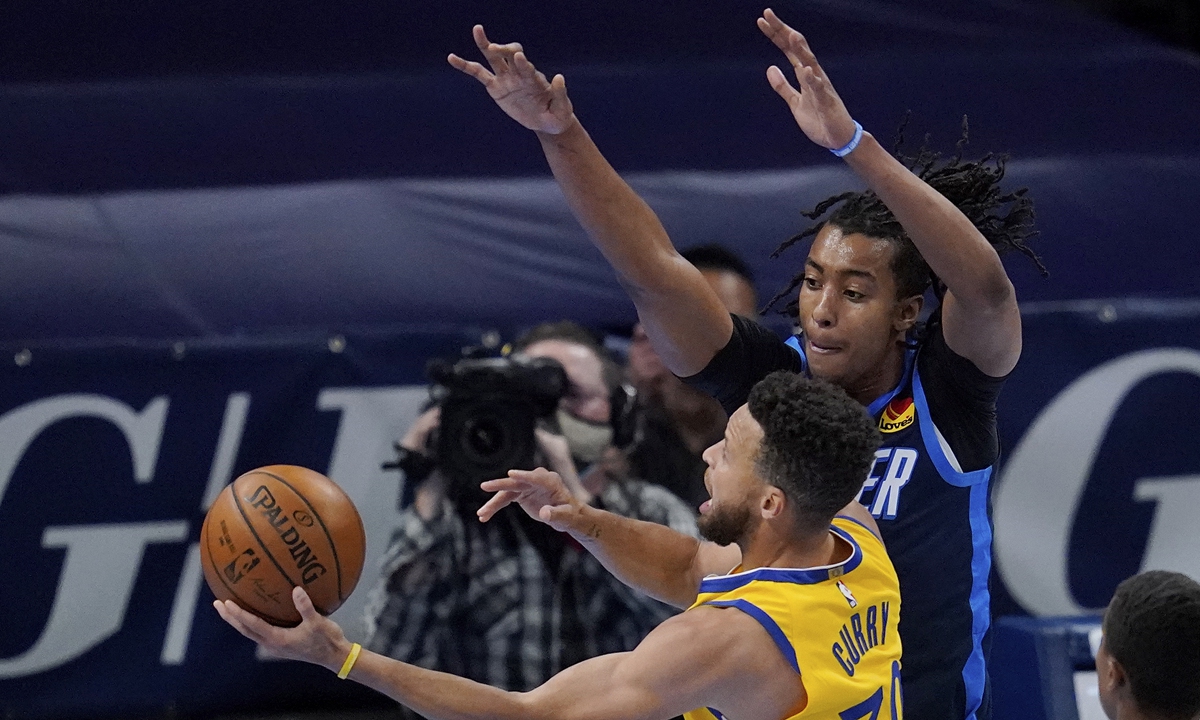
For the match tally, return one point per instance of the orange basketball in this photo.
(278, 527)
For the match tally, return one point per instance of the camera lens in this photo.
(490, 407)
(484, 438)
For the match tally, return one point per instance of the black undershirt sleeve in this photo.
(752, 353)
(962, 398)
(962, 402)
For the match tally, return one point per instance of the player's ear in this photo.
(1117, 674)
(1110, 673)
(773, 502)
(908, 311)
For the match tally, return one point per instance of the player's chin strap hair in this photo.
(355, 649)
(1005, 219)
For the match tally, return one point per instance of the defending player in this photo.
(804, 626)
(1148, 664)
(932, 390)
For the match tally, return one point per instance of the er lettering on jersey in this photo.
(892, 470)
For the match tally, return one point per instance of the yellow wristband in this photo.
(355, 649)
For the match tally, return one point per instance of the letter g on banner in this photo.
(1038, 496)
(107, 555)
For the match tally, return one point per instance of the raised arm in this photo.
(690, 661)
(684, 318)
(980, 317)
(664, 564)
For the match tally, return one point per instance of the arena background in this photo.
(232, 235)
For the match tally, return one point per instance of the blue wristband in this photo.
(854, 141)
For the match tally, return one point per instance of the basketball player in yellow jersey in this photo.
(793, 604)
(856, 603)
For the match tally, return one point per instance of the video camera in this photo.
(490, 407)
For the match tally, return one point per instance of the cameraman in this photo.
(681, 421)
(512, 602)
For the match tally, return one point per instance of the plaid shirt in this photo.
(455, 597)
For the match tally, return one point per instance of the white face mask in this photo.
(587, 440)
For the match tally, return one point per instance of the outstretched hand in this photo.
(816, 106)
(317, 639)
(541, 494)
(517, 87)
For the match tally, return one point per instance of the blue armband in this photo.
(849, 147)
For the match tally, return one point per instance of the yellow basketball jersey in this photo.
(836, 626)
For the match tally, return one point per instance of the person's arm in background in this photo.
(425, 559)
(683, 317)
(657, 560)
(980, 317)
(421, 563)
(420, 586)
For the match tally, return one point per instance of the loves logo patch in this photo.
(899, 414)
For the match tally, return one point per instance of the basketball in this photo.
(275, 528)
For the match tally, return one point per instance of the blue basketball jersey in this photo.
(935, 521)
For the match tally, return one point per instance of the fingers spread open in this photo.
(780, 84)
(539, 477)
(473, 69)
(495, 504)
(558, 93)
(507, 483)
(774, 28)
(481, 38)
(810, 81)
(498, 56)
(787, 39)
(773, 33)
(522, 65)
(798, 48)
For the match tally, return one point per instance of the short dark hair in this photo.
(1152, 628)
(818, 443)
(573, 332)
(1005, 219)
(718, 257)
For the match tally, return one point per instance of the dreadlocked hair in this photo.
(1005, 219)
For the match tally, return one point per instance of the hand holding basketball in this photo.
(277, 528)
(317, 639)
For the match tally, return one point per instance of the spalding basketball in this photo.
(278, 527)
